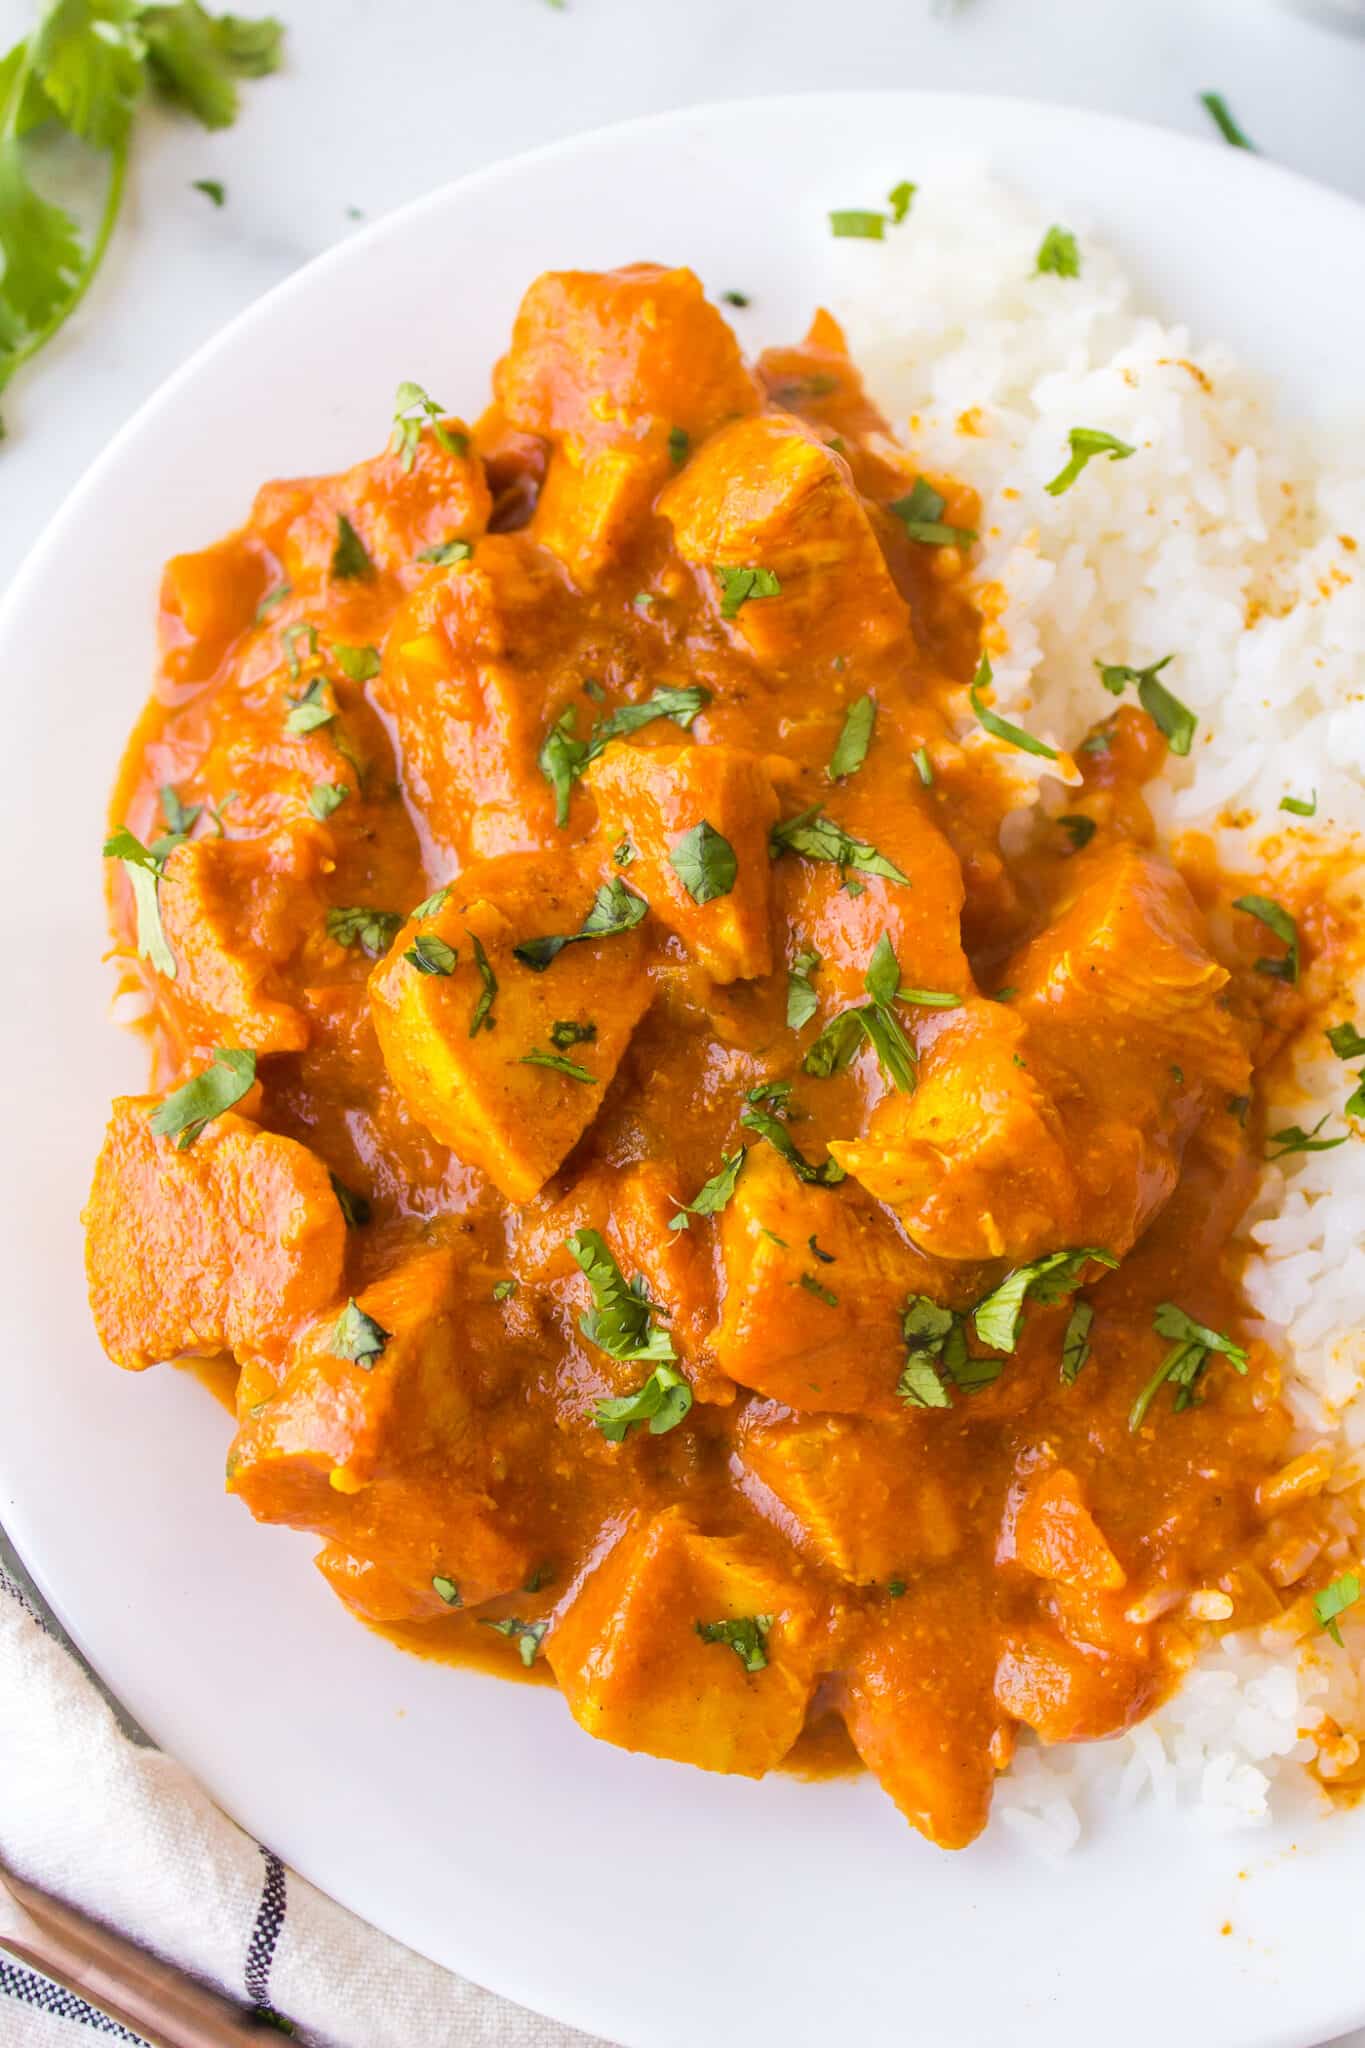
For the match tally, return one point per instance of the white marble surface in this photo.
(381, 100)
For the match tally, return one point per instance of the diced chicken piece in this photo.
(1128, 963)
(766, 493)
(609, 365)
(920, 916)
(635, 1669)
(465, 670)
(383, 1453)
(225, 1246)
(633, 1208)
(212, 594)
(396, 513)
(658, 798)
(865, 1497)
(817, 379)
(339, 1422)
(920, 1710)
(975, 1163)
(610, 357)
(235, 911)
(777, 1333)
(474, 1088)
(1067, 1694)
(1057, 1537)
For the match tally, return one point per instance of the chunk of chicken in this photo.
(235, 911)
(464, 1071)
(865, 1497)
(465, 670)
(226, 1246)
(975, 1163)
(920, 1709)
(1066, 1693)
(382, 1452)
(1025, 1134)
(767, 493)
(609, 366)
(780, 1335)
(661, 798)
(1056, 1536)
(632, 1662)
(396, 513)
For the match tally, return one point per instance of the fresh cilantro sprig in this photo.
(87, 67)
(621, 1319)
(563, 756)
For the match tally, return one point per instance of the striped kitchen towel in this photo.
(111, 1824)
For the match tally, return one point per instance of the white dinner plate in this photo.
(653, 1904)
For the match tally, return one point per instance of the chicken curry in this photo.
(688, 1210)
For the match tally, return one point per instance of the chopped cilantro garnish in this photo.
(481, 1017)
(817, 1287)
(921, 514)
(740, 586)
(1076, 1341)
(197, 1102)
(769, 1126)
(358, 1337)
(350, 560)
(360, 664)
(1300, 807)
(446, 1589)
(413, 410)
(924, 767)
(816, 837)
(679, 446)
(374, 931)
(447, 552)
(747, 1636)
(355, 1209)
(430, 955)
(1174, 719)
(1220, 114)
(1277, 919)
(1333, 1601)
(620, 1320)
(802, 1001)
(857, 224)
(1001, 728)
(311, 709)
(899, 199)
(1293, 1138)
(558, 1064)
(615, 908)
(1059, 254)
(997, 1317)
(527, 1635)
(704, 862)
(1079, 829)
(563, 756)
(1086, 443)
(326, 797)
(855, 737)
(1346, 1042)
(144, 870)
(1194, 1343)
(713, 1195)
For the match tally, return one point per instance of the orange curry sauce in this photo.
(837, 1494)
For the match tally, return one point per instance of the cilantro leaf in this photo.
(1277, 919)
(1300, 807)
(1333, 1601)
(430, 955)
(446, 552)
(1058, 254)
(747, 1636)
(663, 1402)
(374, 931)
(1001, 728)
(620, 1321)
(855, 737)
(857, 224)
(1220, 114)
(997, 1316)
(447, 1589)
(921, 514)
(528, 1635)
(764, 1124)
(310, 710)
(713, 1195)
(429, 905)
(212, 188)
(615, 908)
(1086, 443)
(899, 199)
(1346, 1042)
(559, 1065)
(814, 1285)
(816, 837)
(350, 559)
(679, 446)
(481, 1017)
(1076, 1341)
(89, 56)
(704, 862)
(802, 1001)
(739, 587)
(1168, 714)
(326, 797)
(355, 1209)
(189, 1108)
(1294, 1138)
(144, 871)
(1079, 829)
(360, 664)
(358, 1337)
(1185, 1362)
(413, 410)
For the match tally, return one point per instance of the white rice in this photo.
(1226, 539)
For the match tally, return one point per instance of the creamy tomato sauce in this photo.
(578, 814)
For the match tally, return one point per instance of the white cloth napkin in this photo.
(123, 1832)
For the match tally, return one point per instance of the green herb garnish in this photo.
(374, 931)
(1293, 1138)
(765, 1124)
(528, 1635)
(360, 664)
(620, 1320)
(1299, 807)
(615, 908)
(1221, 115)
(1194, 1344)
(1079, 829)
(350, 560)
(326, 797)
(1086, 443)
(747, 1637)
(662, 1402)
(1333, 1601)
(1346, 1042)
(855, 737)
(704, 862)
(714, 1194)
(355, 1209)
(814, 1285)
(1076, 1341)
(430, 955)
(1059, 254)
(310, 710)
(558, 1064)
(739, 587)
(481, 1017)
(413, 410)
(857, 224)
(816, 837)
(1277, 919)
(1001, 728)
(447, 552)
(144, 870)
(1048, 1280)
(447, 1590)
(184, 1114)
(563, 756)
(802, 1001)
(358, 1337)
(921, 514)
(679, 446)
(1174, 719)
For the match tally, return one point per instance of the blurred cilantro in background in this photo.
(85, 68)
